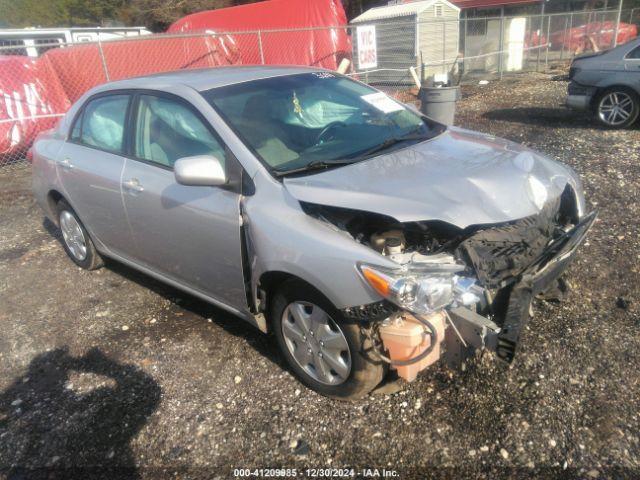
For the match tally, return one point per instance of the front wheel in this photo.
(617, 107)
(327, 353)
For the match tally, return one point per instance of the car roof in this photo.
(202, 79)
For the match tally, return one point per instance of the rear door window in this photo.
(103, 123)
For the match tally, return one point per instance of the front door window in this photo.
(167, 130)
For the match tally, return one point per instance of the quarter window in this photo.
(103, 123)
(167, 130)
(634, 54)
(77, 129)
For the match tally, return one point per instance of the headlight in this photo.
(421, 292)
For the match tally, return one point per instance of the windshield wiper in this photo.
(315, 165)
(326, 164)
(388, 143)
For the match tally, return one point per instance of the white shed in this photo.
(424, 34)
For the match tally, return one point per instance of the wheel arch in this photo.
(270, 281)
(605, 88)
(53, 197)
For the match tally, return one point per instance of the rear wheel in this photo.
(617, 107)
(76, 240)
(327, 353)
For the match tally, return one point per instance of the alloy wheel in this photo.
(316, 343)
(73, 236)
(615, 108)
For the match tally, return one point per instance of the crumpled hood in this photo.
(460, 177)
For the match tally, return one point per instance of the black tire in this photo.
(634, 112)
(92, 259)
(367, 371)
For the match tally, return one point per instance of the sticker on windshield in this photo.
(323, 75)
(382, 102)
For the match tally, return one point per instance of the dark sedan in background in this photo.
(608, 84)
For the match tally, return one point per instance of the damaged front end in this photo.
(456, 289)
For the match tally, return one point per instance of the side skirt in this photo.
(246, 316)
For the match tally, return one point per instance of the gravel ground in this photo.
(112, 374)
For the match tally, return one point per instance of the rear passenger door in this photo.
(90, 165)
(190, 234)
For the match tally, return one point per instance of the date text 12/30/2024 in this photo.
(315, 472)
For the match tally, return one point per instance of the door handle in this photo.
(133, 185)
(66, 164)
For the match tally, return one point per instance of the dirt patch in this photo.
(117, 375)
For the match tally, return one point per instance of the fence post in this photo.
(260, 47)
(540, 35)
(104, 62)
(615, 35)
(501, 42)
(568, 25)
(569, 32)
(539, 38)
(444, 47)
(464, 51)
(546, 54)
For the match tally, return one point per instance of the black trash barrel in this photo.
(439, 103)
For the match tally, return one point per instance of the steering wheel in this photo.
(327, 129)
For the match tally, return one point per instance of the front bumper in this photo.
(579, 97)
(472, 331)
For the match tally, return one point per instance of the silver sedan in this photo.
(364, 235)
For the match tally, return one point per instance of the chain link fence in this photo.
(38, 86)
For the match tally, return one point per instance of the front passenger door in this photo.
(190, 234)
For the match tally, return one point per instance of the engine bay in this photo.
(387, 236)
(494, 254)
(477, 276)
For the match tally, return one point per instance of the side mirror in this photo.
(201, 170)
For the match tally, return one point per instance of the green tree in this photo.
(62, 13)
(156, 15)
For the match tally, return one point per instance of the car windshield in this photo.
(299, 122)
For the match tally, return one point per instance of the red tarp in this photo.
(586, 36)
(50, 84)
(318, 47)
(81, 67)
(30, 98)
